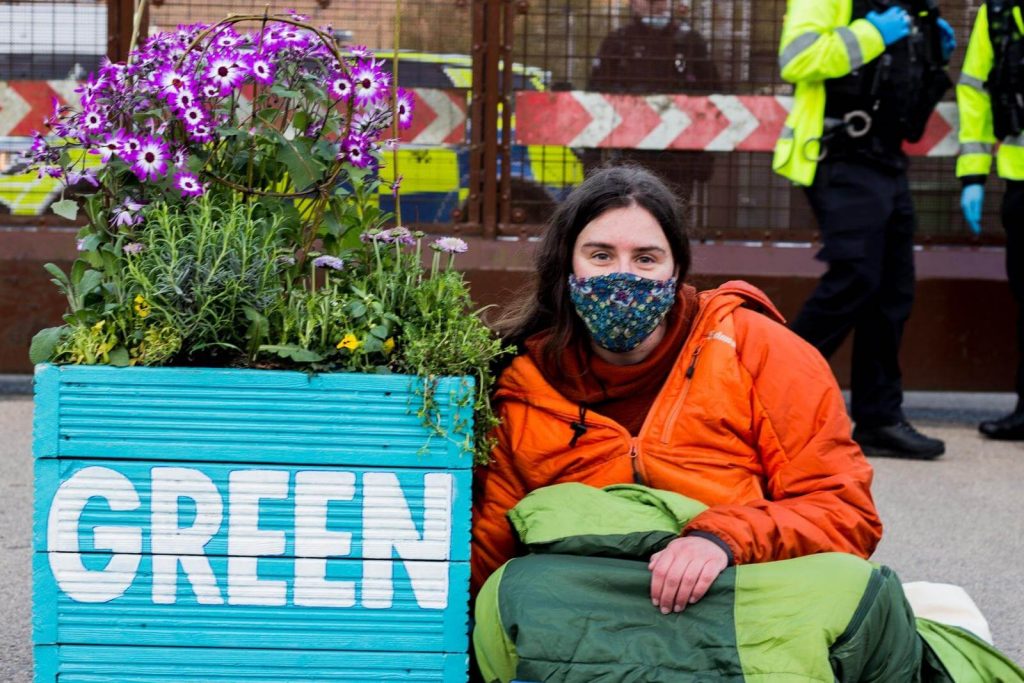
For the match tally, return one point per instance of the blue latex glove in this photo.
(948, 39)
(971, 200)
(894, 24)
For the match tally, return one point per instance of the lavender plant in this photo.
(232, 216)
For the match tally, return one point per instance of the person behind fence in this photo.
(868, 74)
(990, 96)
(657, 52)
(626, 375)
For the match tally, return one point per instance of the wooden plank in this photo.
(256, 416)
(222, 509)
(258, 608)
(100, 664)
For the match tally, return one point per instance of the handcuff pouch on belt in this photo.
(902, 86)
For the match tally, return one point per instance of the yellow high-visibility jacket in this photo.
(819, 42)
(977, 138)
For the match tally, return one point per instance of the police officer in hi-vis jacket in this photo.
(868, 74)
(990, 95)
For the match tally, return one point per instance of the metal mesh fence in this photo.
(51, 40)
(728, 47)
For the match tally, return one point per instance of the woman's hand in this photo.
(682, 573)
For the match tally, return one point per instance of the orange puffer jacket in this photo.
(750, 421)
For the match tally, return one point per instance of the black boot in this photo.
(1009, 428)
(900, 440)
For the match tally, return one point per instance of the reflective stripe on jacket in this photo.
(819, 42)
(977, 138)
(750, 422)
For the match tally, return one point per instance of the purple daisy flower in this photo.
(181, 100)
(211, 91)
(332, 262)
(450, 245)
(110, 146)
(369, 82)
(88, 176)
(227, 38)
(150, 162)
(93, 121)
(355, 148)
(126, 213)
(188, 184)
(262, 69)
(92, 88)
(193, 117)
(226, 71)
(360, 52)
(179, 158)
(201, 133)
(130, 147)
(340, 88)
(170, 81)
(404, 105)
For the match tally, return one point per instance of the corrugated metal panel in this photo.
(212, 525)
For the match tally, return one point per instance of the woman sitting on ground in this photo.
(627, 375)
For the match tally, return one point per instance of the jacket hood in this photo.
(522, 380)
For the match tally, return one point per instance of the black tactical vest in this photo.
(899, 89)
(1006, 80)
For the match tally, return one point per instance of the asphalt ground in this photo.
(956, 520)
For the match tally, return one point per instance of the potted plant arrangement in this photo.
(255, 429)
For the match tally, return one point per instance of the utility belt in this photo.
(888, 100)
(1006, 80)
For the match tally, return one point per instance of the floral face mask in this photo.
(621, 309)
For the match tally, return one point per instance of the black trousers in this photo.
(1013, 223)
(867, 222)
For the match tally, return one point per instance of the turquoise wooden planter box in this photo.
(247, 525)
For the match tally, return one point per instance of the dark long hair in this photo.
(545, 303)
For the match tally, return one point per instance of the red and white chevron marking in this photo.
(717, 123)
(439, 116)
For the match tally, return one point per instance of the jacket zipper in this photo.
(634, 457)
(678, 407)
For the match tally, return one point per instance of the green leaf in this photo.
(281, 91)
(54, 270)
(66, 208)
(381, 332)
(90, 242)
(119, 357)
(357, 309)
(91, 279)
(44, 344)
(268, 115)
(303, 168)
(300, 122)
(259, 328)
(292, 352)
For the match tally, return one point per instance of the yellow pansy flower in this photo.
(389, 345)
(141, 306)
(350, 342)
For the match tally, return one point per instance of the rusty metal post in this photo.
(505, 100)
(483, 172)
(120, 20)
